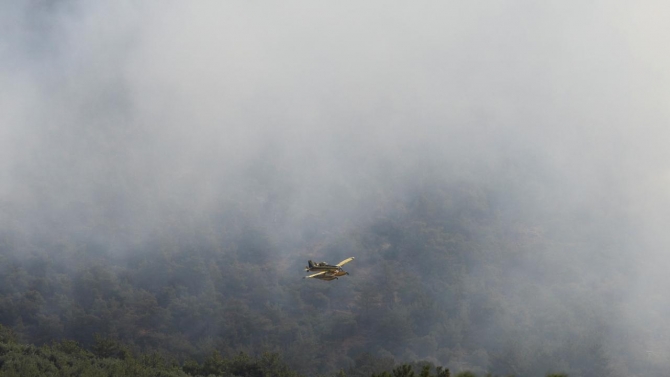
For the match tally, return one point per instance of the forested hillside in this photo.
(445, 272)
(109, 358)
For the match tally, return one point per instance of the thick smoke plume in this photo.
(123, 121)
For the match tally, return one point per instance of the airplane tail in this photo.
(311, 264)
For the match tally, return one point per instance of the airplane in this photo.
(326, 271)
(323, 266)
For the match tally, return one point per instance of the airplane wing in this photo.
(314, 275)
(345, 262)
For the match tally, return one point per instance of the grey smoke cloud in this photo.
(172, 104)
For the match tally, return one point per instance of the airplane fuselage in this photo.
(321, 266)
(337, 273)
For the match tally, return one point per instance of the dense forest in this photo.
(445, 272)
(109, 358)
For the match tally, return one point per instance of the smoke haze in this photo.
(119, 118)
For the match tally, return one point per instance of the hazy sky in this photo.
(152, 104)
(583, 85)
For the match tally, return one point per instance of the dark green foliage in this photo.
(68, 359)
(437, 276)
(242, 365)
(409, 370)
(7, 335)
(442, 372)
(403, 371)
(105, 347)
(466, 374)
